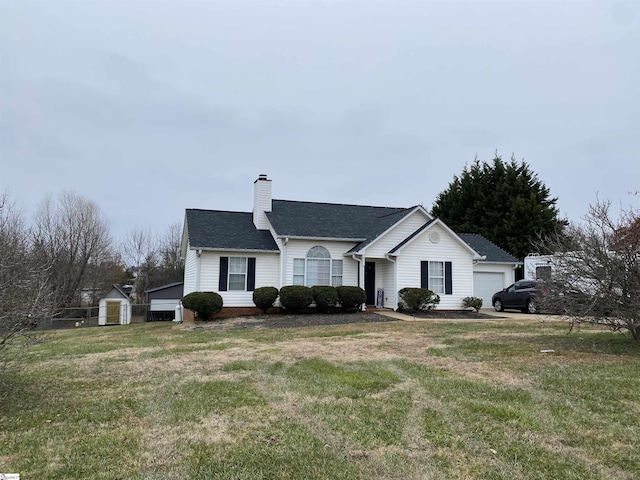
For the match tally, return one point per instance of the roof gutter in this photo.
(213, 249)
(334, 239)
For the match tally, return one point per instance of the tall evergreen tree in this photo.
(502, 201)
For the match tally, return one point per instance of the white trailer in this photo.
(539, 267)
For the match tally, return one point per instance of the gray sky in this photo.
(149, 107)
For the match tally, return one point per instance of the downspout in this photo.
(198, 260)
(283, 262)
(395, 281)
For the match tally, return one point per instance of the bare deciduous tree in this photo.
(139, 253)
(70, 234)
(25, 293)
(596, 270)
(155, 260)
(171, 264)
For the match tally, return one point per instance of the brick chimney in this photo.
(261, 201)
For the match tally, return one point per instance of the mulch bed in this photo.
(318, 319)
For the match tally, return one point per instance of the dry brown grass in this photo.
(499, 354)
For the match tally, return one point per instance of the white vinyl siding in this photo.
(448, 249)
(383, 244)
(267, 275)
(190, 271)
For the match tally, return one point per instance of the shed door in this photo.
(113, 312)
(485, 284)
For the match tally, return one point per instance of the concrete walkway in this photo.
(487, 311)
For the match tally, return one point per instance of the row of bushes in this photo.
(294, 298)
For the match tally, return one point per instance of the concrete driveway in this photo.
(516, 314)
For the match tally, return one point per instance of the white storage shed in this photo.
(115, 306)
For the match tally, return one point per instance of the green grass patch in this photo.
(347, 333)
(195, 400)
(282, 450)
(320, 378)
(245, 365)
(165, 352)
(370, 422)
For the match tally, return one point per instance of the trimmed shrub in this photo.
(472, 302)
(295, 297)
(263, 297)
(351, 297)
(417, 299)
(325, 297)
(204, 304)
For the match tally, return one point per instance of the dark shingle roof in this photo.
(216, 229)
(487, 248)
(163, 287)
(332, 220)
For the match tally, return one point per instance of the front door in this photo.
(370, 282)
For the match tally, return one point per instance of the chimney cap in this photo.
(262, 176)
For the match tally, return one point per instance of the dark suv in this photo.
(520, 295)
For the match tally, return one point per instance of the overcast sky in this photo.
(150, 107)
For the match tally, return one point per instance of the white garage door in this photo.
(162, 304)
(485, 284)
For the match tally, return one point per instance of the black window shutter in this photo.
(424, 274)
(224, 271)
(251, 274)
(448, 281)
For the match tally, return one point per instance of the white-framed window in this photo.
(237, 273)
(336, 273)
(436, 277)
(317, 268)
(298, 271)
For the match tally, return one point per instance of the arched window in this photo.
(317, 268)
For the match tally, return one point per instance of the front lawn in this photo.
(396, 400)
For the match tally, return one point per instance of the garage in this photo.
(485, 284)
(163, 301)
(495, 272)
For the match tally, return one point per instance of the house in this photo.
(163, 301)
(283, 242)
(115, 306)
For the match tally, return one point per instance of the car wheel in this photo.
(498, 305)
(531, 307)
